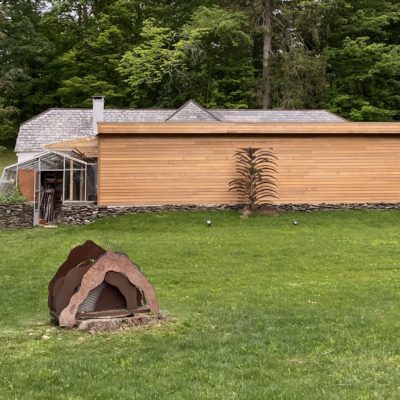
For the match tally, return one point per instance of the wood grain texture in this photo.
(87, 146)
(225, 128)
(159, 170)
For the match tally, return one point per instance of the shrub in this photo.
(14, 196)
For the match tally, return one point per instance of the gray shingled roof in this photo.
(58, 125)
(300, 116)
(62, 124)
(191, 111)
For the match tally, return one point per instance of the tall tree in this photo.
(299, 64)
(287, 51)
(267, 15)
(97, 34)
(208, 59)
(363, 51)
(23, 56)
(338, 54)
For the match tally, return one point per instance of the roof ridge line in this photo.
(274, 109)
(197, 105)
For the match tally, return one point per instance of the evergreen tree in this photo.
(24, 54)
(363, 51)
(97, 35)
(208, 59)
(343, 55)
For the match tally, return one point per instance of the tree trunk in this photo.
(85, 16)
(267, 49)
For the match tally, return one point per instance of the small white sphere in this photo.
(209, 222)
(295, 222)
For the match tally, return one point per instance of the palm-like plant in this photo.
(256, 183)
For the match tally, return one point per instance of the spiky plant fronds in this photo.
(256, 181)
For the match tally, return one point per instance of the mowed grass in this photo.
(7, 157)
(259, 309)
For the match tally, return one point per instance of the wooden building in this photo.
(186, 157)
(192, 163)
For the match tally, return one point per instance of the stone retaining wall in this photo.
(21, 215)
(80, 215)
(339, 207)
(15, 216)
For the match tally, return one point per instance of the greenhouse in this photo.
(51, 179)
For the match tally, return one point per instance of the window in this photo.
(74, 181)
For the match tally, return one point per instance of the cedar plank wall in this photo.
(159, 170)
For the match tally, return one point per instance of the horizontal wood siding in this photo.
(237, 129)
(155, 170)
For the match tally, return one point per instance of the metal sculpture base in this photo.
(112, 324)
(95, 284)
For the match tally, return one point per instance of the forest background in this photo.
(342, 55)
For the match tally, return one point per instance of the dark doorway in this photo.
(51, 193)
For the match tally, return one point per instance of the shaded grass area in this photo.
(260, 309)
(7, 157)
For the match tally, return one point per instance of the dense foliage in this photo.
(12, 197)
(343, 55)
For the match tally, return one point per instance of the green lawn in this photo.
(7, 157)
(260, 309)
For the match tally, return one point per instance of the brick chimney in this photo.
(98, 111)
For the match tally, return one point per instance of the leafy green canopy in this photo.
(337, 54)
(210, 57)
(363, 51)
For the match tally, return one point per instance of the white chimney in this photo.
(98, 111)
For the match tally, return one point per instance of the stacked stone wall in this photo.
(14, 216)
(80, 215)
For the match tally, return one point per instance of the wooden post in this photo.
(81, 182)
(71, 181)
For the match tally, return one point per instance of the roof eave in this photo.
(227, 128)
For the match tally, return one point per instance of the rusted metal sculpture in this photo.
(95, 283)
